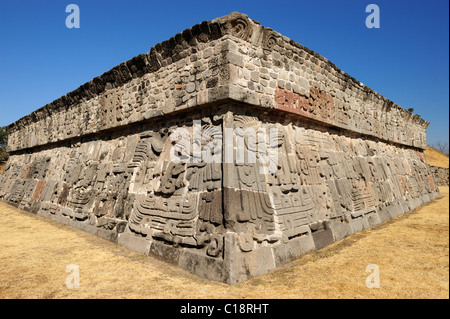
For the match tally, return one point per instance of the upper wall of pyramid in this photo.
(231, 58)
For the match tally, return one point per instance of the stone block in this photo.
(165, 252)
(139, 244)
(322, 238)
(293, 249)
(341, 230)
(204, 266)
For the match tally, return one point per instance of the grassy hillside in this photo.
(436, 158)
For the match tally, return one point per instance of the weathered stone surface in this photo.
(315, 156)
(440, 174)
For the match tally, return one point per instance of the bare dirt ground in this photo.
(436, 158)
(411, 251)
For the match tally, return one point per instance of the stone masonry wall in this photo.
(99, 159)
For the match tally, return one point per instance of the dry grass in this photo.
(2, 166)
(436, 158)
(412, 252)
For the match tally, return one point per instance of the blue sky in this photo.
(406, 59)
